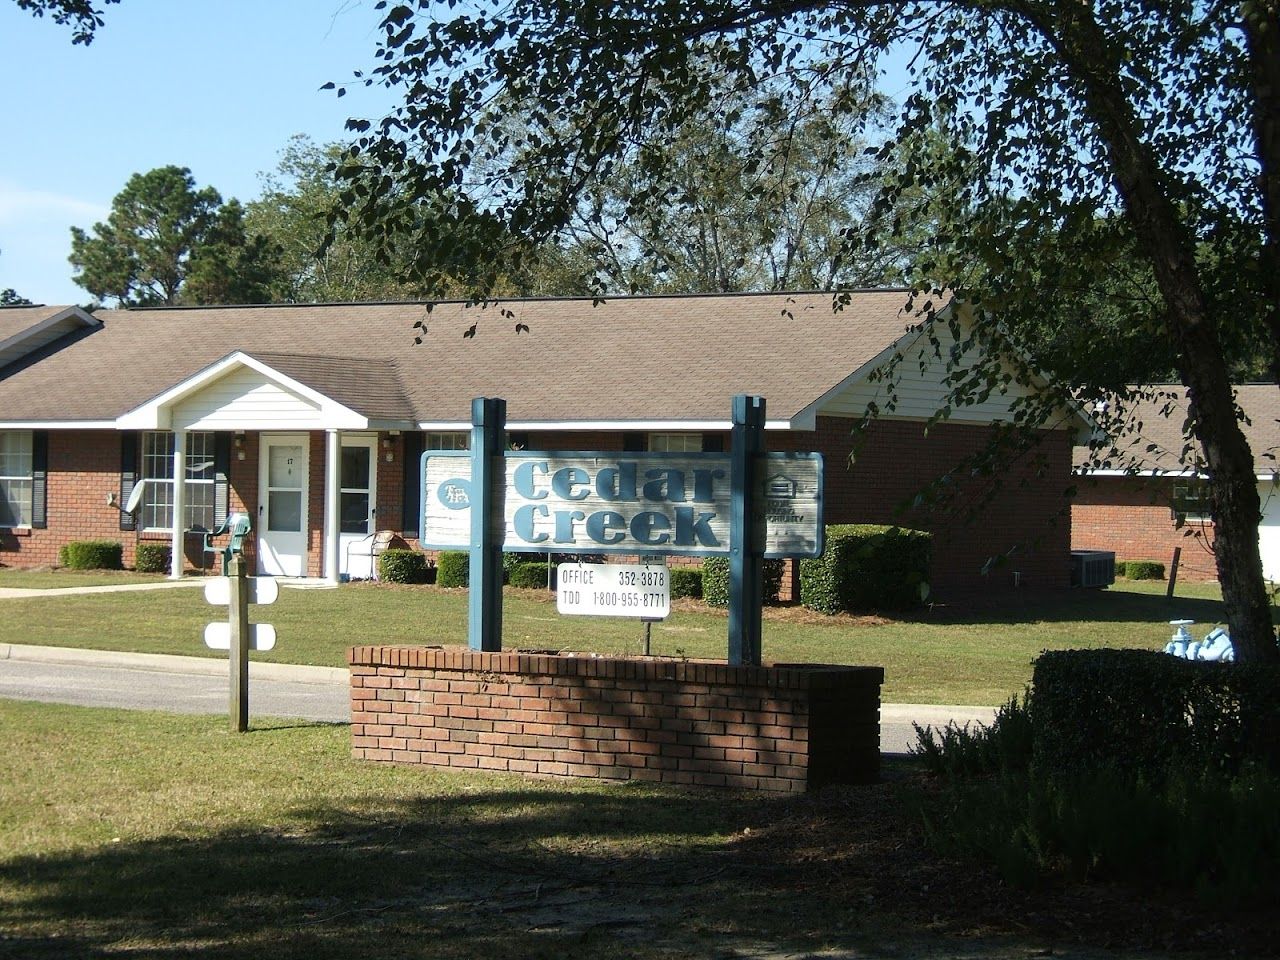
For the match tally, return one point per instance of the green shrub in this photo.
(531, 574)
(1143, 570)
(1167, 779)
(715, 580)
(453, 568)
(1206, 837)
(867, 567)
(152, 557)
(686, 581)
(961, 751)
(1153, 713)
(403, 566)
(92, 555)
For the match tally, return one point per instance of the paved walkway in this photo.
(15, 593)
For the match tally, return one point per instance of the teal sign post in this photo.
(488, 437)
(745, 505)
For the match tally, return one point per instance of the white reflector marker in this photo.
(217, 636)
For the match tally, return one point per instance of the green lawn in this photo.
(160, 836)
(154, 835)
(979, 655)
(61, 579)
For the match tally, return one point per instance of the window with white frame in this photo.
(157, 472)
(16, 478)
(439, 440)
(675, 442)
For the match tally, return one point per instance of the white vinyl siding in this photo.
(157, 473)
(17, 469)
(919, 387)
(245, 400)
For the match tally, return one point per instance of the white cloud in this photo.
(22, 207)
(35, 239)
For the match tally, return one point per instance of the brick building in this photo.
(1148, 498)
(312, 418)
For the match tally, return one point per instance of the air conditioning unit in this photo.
(1093, 568)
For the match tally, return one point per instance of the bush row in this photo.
(865, 567)
(1169, 778)
(92, 555)
(1140, 569)
(868, 567)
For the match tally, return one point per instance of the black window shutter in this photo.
(412, 498)
(633, 442)
(40, 479)
(221, 477)
(128, 476)
(713, 443)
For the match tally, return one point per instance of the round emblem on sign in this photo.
(455, 494)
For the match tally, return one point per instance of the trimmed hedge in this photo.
(453, 568)
(1153, 714)
(686, 581)
(1144, 570)
(92, 555)
(868, 567)
(715, 580)
(530, 574)
(152, 557)
(403, 566)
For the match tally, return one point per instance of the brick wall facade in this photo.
(1027, 518)
(784, 728)
(1132, 516)
(1021, 512)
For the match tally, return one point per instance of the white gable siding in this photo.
(246, 400)
(919, 393)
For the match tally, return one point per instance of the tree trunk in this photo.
(1165, 239)
(1261, 22)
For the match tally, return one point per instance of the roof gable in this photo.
(23, 330)
(241, 392)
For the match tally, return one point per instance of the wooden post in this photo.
(239, 617)
(484, 603)
(746, 554)
(1173, 572)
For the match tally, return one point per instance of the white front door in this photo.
(357, 505)
(282, 505)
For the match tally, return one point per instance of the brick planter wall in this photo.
(780, 728)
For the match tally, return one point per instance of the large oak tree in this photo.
(1160, 122)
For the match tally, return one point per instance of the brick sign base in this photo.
(786, 727)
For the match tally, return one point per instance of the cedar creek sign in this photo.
(664, 503)
(748, 504)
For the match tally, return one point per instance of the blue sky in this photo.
(218, 86)
(215, 86)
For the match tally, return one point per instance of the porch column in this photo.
(178, 552)
(332, 489)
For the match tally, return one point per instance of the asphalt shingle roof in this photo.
(639, 358)
(1157, 443)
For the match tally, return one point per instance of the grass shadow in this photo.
(1071, 606)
